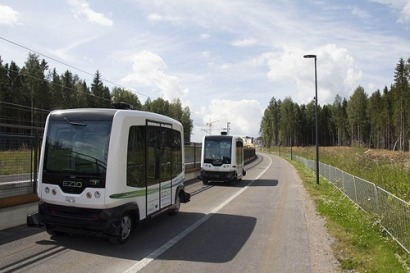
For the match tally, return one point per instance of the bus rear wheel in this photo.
(125, 229)
(205, 182)
(175, 208)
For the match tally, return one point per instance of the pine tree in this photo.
(376, 119)
(101, 93)
(400, 90)
(357, 113)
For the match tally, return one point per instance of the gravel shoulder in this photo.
(320, 241)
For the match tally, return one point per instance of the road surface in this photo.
(260, 224)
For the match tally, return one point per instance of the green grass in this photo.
(389, 170)
(15, 162)
(360, 244)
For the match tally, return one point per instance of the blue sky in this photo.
(225, 59)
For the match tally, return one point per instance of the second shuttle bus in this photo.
(222, 159)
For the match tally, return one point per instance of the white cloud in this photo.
(8, 16)
(83, 8)
(157, 18)
(405, 14)
(63, 53)
(148, 69)
(154, 17)
(232, 16)
(244, 116)
(360, 13)
(402, 6)
(204, 36)
(336, 72)
(225, 66)
(245, 42)
(206, 54)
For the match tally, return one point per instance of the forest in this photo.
(380, 120)
(29, 93)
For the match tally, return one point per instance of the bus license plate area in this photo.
(70, 199)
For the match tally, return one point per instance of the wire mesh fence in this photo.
(192, 155)
(18, 161)
(392, 212)
(19, 155)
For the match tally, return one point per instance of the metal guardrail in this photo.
(392, 212)
(21, 180)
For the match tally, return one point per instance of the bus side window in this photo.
(136, 157)
(153, 155)
(176, 153)
(239, 152)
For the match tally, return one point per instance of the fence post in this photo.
(355, 190)
(194, 155)
(376, 197)
(36, 146)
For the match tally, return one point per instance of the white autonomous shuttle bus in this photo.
(222, 159)
(103, 170)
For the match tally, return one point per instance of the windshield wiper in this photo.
(74, 123)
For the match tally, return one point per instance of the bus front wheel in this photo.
(125, 228)
(53, 232)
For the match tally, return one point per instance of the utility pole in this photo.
(210, 125)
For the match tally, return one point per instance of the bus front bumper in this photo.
(104, 222)
(217, 176)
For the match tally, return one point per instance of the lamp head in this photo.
(309, 56)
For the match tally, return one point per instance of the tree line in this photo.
(380, 120)
(29, 93)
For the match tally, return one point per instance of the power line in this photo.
(55, 84)
(63, 63)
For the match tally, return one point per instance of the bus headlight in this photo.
(47, 190)
(53, 192)
(89, 195)
(97, 194)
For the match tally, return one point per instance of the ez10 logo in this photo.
(73, 184)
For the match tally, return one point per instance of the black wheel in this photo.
(126, 225)
(175, 208)
(205, 182)
(233, 181)
(53, 232)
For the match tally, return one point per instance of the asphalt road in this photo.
(258, 225)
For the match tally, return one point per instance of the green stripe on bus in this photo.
(137, 193)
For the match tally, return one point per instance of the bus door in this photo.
(159, 166)
(239, 157)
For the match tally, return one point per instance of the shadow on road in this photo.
(17, 233)
(217, 240)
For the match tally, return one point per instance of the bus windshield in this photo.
(77, 147)
(217, 150)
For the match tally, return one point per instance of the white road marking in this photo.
(144, 262)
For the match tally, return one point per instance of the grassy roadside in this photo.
(360, 244)
(388, 169)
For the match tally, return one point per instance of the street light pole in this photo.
(316, 119)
